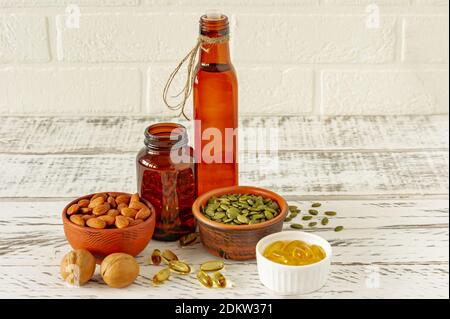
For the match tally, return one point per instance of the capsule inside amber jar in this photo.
(294, 253)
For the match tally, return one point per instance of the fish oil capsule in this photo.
(213, 265)
(179, 267)
(204, 279)
(219, 280)
(167, 256)
(278, 245)
(161, 276)
(294, 253)
(156, 257)
(188, 239)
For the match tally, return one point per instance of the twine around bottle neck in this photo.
(191, 58)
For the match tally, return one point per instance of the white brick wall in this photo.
(70, 90)
(292, 56)
(23, 39)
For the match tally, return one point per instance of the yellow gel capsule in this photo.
(294, 253)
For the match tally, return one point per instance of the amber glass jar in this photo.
(166, 178)
(215, 108)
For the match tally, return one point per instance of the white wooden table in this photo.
(387, 177)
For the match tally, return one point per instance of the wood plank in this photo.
(353, 214)
(28, 246)
(378, 232)
(289, 173)
(97, 135)
(395, 281)
(403, 243)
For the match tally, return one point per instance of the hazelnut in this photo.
(119, 270)
(77, 267)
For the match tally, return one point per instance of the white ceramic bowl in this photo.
(293, 280)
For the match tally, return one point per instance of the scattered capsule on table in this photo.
(213, 265)
(167, 256)
(204, 279)
(188, 239)
(179, 267)
(219, 280)
(156, 257)
(161, 276)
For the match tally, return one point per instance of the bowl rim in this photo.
(67, 221)
(241, 190)
(326, 260)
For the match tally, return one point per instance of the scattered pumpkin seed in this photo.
(307, 217)
(330, 213)
(338, 228)
(313, 212)
(316, 205)
(324, 221)
(312, 224)
(297, 226)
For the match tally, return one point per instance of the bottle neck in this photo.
(165, 137)
(214, 53)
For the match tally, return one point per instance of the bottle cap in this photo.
(213, 15)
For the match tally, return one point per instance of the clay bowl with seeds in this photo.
(237, 241)
(102, 235)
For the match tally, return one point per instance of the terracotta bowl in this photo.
(103, 242)
(237, 242)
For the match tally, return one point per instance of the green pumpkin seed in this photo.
(324, 221)
(257, 216)
(316, 205)
(238, 209)
(242, 219)
(232, 212)
(330, 213)
(296, 226)
(312, 224)
(307, 217)
(268, 214)
(313, 212)
(219, 215)
(339, 228)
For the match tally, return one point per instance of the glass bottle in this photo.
(215, 109)
(166, 178)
